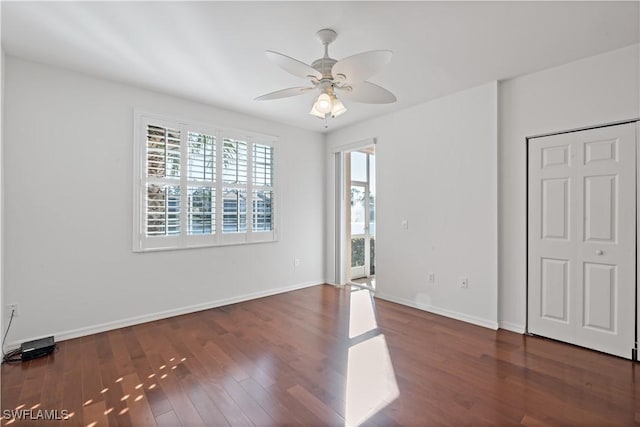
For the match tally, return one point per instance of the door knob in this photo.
(599, 252)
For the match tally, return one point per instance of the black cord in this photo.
(9, 357)
(7, 331)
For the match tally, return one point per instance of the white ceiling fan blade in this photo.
(359, 67)
(293, 66)
(284, 93)
(368, 93)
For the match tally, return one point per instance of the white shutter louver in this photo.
(262, 210)
(234, 214)
(262, 165)
(202, 210)
(202, 157)
(234, 162)
(163, 210)
(163, 152)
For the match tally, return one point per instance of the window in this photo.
(201, 186)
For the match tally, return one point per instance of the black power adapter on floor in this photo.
(31, 350)
(37, 348)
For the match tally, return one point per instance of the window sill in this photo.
(139, 249)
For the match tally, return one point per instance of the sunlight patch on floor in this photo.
(362, 319)
(371, 381)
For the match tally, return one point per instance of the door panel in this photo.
(601, 151)
(599, 296)
(555, 208)
(555, 288)
(600, 208)
(582, 227)
(555, 156)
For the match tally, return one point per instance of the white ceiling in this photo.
(213, 52)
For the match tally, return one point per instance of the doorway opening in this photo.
(361, 217)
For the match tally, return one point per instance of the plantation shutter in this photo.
(263, 192)
(163, 164)
(201, 186)
(201, 181)
(234, 178)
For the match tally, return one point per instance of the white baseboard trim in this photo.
(510, 326)
(136, 320)
(441, 311)
(337, 285)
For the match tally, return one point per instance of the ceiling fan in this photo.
(346, 77)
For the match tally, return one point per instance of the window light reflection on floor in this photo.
(371, 381)
(362, 319)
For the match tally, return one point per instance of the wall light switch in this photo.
(463, 282)
(432, 277)
(405, 224)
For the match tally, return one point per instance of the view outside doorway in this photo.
(362, 214)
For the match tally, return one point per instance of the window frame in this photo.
(144, 243)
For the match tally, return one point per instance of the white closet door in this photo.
(582, 238)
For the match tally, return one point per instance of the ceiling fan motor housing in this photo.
(324, 66)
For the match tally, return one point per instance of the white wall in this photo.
(596, 90)
(436, 167)
(68, 170)
(2, 311)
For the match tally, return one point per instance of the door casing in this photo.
(337, 156)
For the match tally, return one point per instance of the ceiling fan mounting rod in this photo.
(324, 64)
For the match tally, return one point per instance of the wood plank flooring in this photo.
(321, 356)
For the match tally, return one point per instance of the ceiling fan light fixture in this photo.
(315, 112)
(337, 108)
(323, 104)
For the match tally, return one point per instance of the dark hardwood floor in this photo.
(318, 356)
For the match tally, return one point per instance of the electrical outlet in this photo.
(432, 277)
(296, 262)
(463, 282)
(14, 308)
